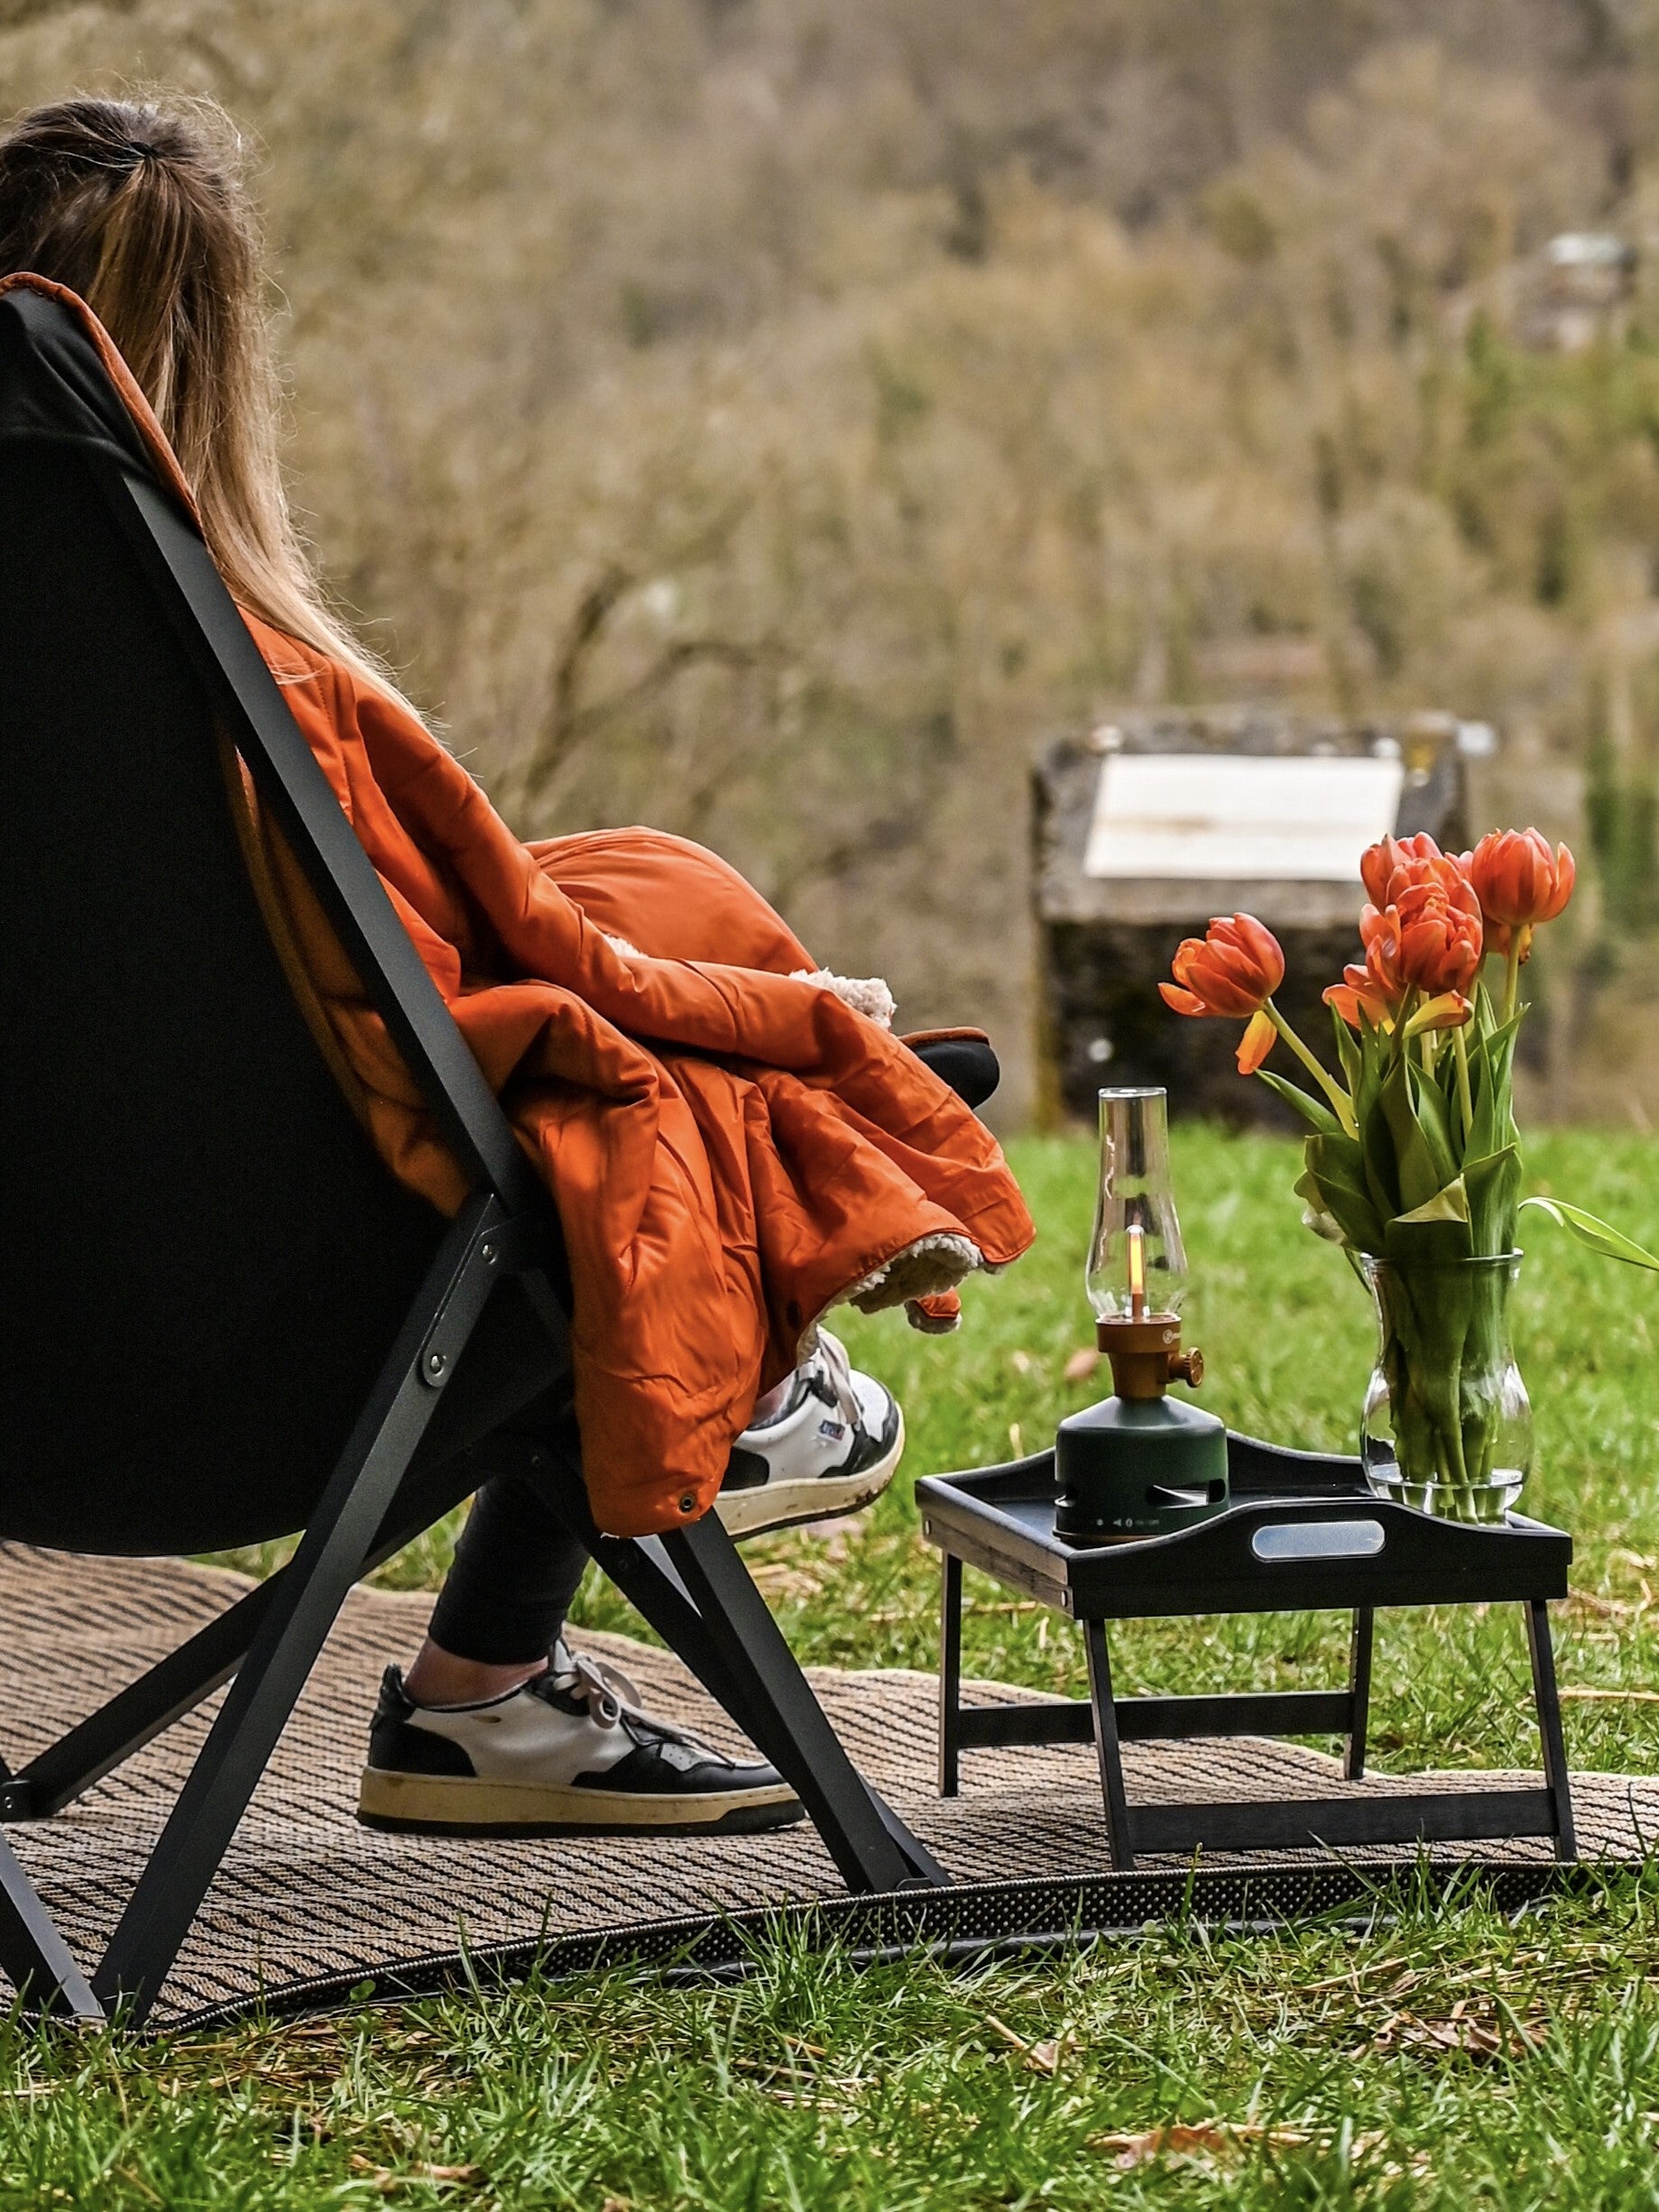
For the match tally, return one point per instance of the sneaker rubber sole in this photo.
(809, 1498)
(462, 1805)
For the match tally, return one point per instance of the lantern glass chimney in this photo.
(1137, 1260)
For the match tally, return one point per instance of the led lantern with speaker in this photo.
(1140, 1463)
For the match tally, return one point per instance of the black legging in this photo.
(517, 1564)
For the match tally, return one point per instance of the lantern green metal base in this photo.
(1139, 1467)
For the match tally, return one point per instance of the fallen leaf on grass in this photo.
(1042, 2057)
(1583, 1696)
(385, 2179)
(1082, 1364)
(1197, 2139)
(1460, 2031)
(1602, 1608)
(1354, 1977)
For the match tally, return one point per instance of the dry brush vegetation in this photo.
(766, 418)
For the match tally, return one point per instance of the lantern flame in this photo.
(1137, 1271)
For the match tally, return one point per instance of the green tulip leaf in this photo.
(1421, 1141)
(1597, 1234)
(1377, 1156)
(1491, 1072)
(1334, 1184)
(1434, 1120)
(1374, 1050)
(1433, 1234)
(1312, 1108)
(1494, 1185)
(1450, 1204)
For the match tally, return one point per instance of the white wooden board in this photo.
(1211, 817)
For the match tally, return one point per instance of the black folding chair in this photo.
(227, 1322)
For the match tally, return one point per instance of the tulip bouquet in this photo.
(1412, 1162)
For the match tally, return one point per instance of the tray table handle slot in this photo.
(1344, 1539)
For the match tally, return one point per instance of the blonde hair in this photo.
(139, 208)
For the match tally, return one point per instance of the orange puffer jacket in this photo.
(733, 1149)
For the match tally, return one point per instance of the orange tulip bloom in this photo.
(1520, 883)
(1260, 1036)
(1358, 992)
(1450, 1010)
(1395, 859)
(1428, 938)
(1233, 970)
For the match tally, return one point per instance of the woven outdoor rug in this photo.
(308, 1904)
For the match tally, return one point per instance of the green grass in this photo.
(1447, 2059)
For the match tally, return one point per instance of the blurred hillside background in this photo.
(768, 419)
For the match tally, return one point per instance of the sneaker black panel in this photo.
(745, 1470)
(404, 1747)
(676, 1770)
(394, 1702)
(869, 1447)
(397, 1747)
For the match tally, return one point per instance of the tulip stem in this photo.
(1520, 945)
(1459, 1045)
(1341, 1105)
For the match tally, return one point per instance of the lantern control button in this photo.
(1187, 1367)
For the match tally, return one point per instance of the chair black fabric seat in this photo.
(168, 1115)
(225, 1321)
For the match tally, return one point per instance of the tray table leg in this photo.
(1107, 1747)
(1358, 1694)
(1549, 1725)
(949, 1677)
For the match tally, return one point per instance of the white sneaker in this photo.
(571, 1753)
(829, 1448)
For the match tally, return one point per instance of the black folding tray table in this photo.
(1303, 1533)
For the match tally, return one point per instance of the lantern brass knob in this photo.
(1187, 1367)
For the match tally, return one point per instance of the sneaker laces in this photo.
(831, 1357)
(613, 1699)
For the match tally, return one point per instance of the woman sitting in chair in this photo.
(735, 1140)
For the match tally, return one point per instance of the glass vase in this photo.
(1448, 1427)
